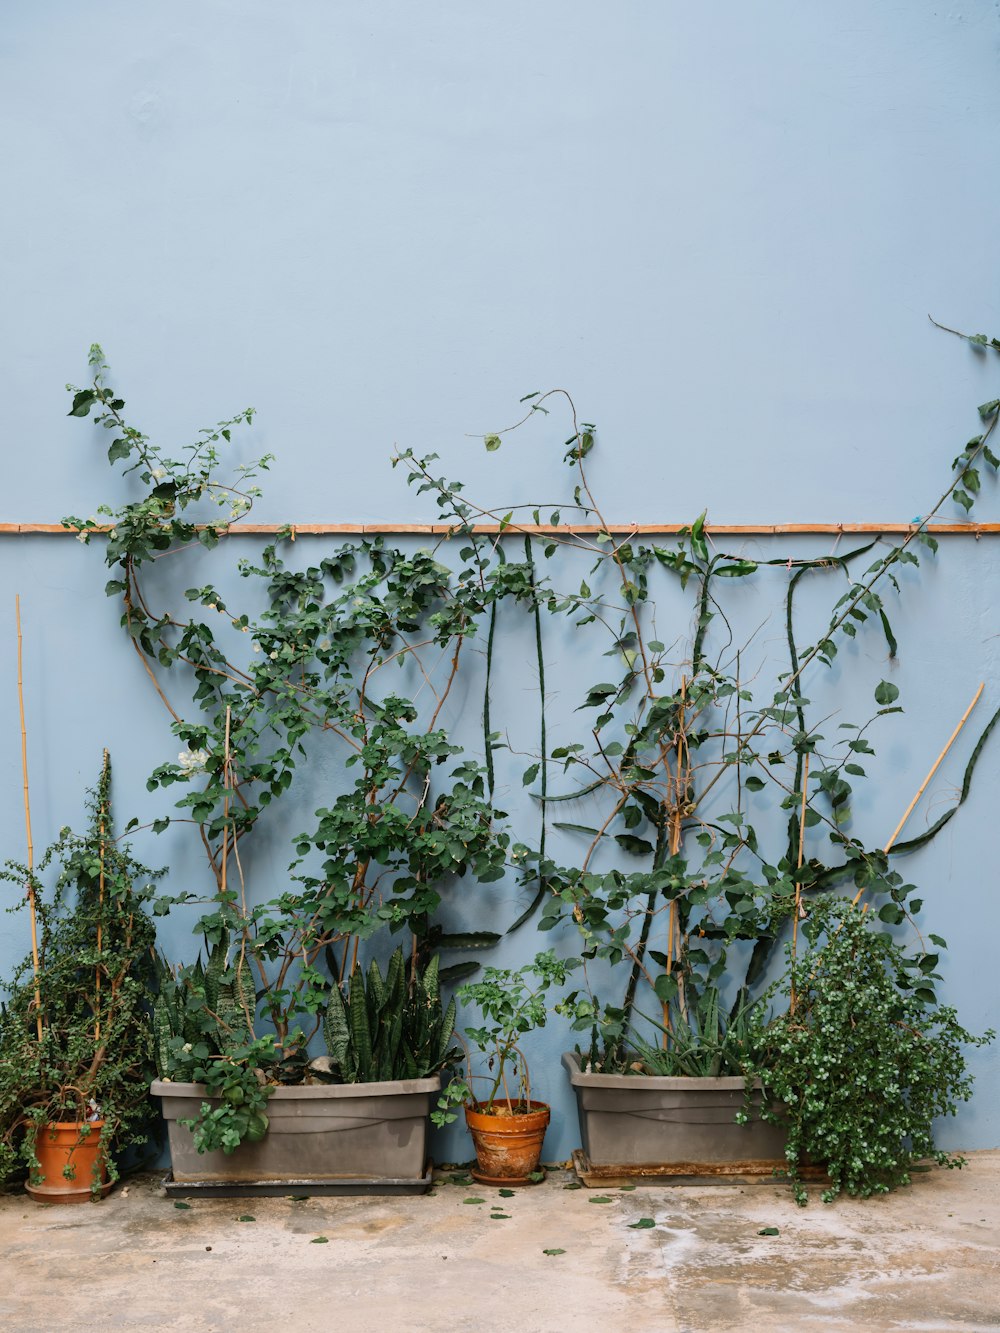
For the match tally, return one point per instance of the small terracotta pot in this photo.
(508, 1147)
(63, 1143)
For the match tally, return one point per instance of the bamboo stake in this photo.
(923, 786)
(27, 820)
(100, 902)
(798, 881)
(934, 767)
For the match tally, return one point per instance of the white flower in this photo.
(193, 761)
(255, 646)
(187, 1048)
(273, 657)
(83, 537)
(158, 473)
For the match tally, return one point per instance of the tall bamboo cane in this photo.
(103, 818)
(27, 820)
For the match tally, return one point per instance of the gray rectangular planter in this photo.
(322, 1132)
(671, 1126)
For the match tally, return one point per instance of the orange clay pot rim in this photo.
(70, 1124)
(482, 1108)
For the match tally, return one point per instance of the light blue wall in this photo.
(721, 227)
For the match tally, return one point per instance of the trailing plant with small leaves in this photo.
(863, 1060)
(89, 998)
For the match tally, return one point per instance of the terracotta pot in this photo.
(508, 1147)
(65, 1143)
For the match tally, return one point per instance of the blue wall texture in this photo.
(720, 227)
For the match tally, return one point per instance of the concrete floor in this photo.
(925, 1258)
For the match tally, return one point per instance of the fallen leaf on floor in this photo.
(769, 1231)
(536, 1176)
(626, 1187)
(643, 1224)
(499, 1217)
(246, 1217)
(507, 1194)
(320, 1240)
(600, 1198)
(298, 1198)
(473, 1200)
(573, 1185)
(178, 1204)
(553, 1252)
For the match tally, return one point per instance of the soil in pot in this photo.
(65, 1143)
(508, 1141)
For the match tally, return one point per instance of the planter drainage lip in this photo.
(311, 1091)
(648, 1082)
(280, 1189)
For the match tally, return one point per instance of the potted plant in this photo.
(311, 672)
(75, 1031)
(354, 1116)
(507, 1125)
(861, 1060)
(698, 781)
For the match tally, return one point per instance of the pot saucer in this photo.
(506, 1180)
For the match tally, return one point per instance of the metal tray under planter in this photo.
(643, 1126)
(357, 1137)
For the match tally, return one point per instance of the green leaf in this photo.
(182, 1205)
(886, 692)
(643, 1224)
(553, 1252)
(83, 401)
(492, 443)
(473, 1200)
(320, 1240)
(769, 1231)
(246, 1217)
(600, 1198)
(530, 774)
(636, 846)
(753, 783)
(507, 1194)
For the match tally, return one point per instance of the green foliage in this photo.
(313, 669)
(711, 803)
(705, 1040)
(94, 1058)
(391, 1027)
(512, 1003)
(864, 1060)
(684, 880)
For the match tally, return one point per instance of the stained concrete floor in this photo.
(926, 1258)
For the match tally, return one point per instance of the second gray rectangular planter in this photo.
(320, 1132)
(671, 1126)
